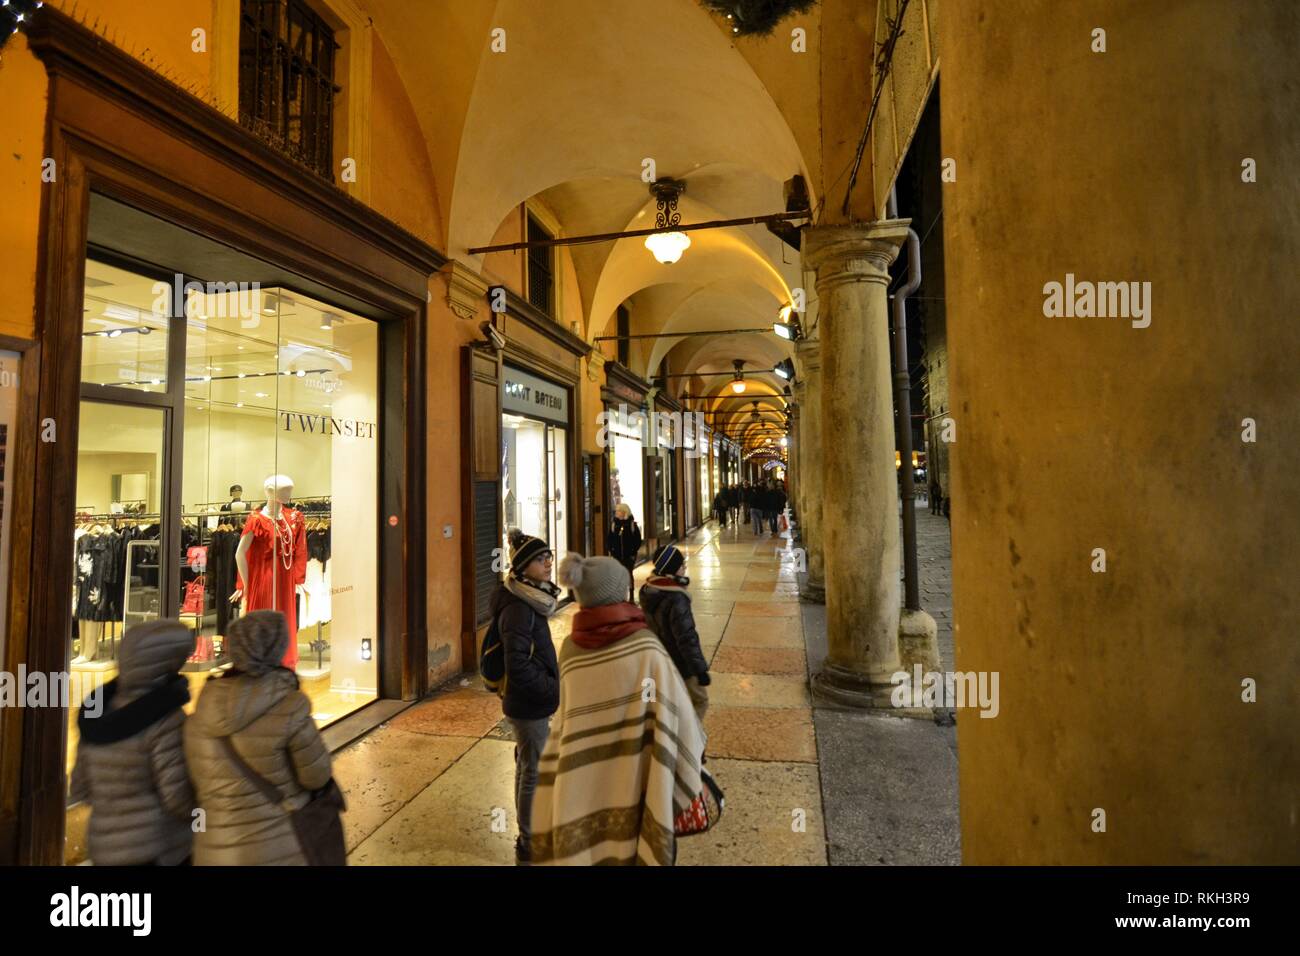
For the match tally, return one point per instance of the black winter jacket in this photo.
(532, 671)
(624, 540)
(668, 611)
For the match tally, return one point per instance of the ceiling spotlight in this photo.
(328, 320)
(738, 384)
(667, 247)
(785, 368)
(115, 333)
(269, 305)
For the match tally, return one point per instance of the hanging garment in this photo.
(94, 577)
(222, 574)
(277, 561)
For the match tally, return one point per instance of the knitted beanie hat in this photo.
(596, 581)
(524, 548)
(668, 560)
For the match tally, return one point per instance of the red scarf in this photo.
(595, 627)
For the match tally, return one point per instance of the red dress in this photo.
(277, 560)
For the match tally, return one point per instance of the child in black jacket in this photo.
(667, 608)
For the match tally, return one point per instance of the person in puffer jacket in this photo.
(130, 763)
(667, 607)
(268, 719)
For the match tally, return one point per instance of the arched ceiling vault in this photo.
(588, 92)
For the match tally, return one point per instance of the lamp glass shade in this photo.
(667, 247)
(738, 386)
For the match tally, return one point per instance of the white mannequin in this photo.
(279, 492)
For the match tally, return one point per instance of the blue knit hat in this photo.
(668, 560)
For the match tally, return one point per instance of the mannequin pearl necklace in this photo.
(284, 535)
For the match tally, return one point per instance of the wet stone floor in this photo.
(434, 785)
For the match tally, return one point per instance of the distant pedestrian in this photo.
(936, 497)
(522, 607)
(667, 606)
(253, 713)
(626, 749)
(130, 756)
(756, 502)
(774, 504)
(746, 497)
(624, 543)
(720, 508)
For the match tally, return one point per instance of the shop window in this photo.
(541, 269)
(219, 489)
(624, 330)
(287, 57)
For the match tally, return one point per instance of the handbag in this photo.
(318, 824)
(704, 811)
(193, 603)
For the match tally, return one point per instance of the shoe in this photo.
(523, 856)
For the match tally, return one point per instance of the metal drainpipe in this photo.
(903, 399)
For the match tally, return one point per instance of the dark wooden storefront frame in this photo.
(114, 127)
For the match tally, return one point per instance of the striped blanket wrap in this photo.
(622, 759)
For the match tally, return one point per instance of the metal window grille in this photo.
(286, 79)
(541, 281)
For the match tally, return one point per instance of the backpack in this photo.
(492, 657)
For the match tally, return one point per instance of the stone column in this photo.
(809, 352)
(860, 541)
(792, 463)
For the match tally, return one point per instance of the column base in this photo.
(917, 644)
(813, 592)
(838, 685)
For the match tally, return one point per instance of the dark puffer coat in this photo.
(668, 610)
(130, 763)
(624, 541)
(532, 671)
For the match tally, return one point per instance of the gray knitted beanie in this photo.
(596, 581)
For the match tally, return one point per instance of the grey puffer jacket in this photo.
(130, 762)
(270, 724)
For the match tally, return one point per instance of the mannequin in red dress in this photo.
(272, 559)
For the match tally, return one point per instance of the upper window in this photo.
(286, 79)
(541, 269)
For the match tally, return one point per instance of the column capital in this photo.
(809, 353)
(854, 253)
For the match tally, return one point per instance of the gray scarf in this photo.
(544, 602)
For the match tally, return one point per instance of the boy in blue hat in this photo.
(667, 608)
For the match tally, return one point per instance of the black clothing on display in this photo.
(222, 573)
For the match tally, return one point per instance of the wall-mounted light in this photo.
(785, 369)
(791, 331)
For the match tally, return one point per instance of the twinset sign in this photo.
(526, 394)
(326, 425)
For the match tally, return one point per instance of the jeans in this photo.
(771, 520)
(757, 515)
(530, 741)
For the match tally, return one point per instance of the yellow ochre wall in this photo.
(1122, 691)
(401, 187)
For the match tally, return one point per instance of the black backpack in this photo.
(492, 657)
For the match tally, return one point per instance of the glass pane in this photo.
(281, 451)
(524, 486)
(124, 329)
(559, 539)
(8, 420)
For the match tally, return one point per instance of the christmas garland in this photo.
(756, 17)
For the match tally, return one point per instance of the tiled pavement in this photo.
(434, 785)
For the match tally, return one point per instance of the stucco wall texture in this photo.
(1122, 691)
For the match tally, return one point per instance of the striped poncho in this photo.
(622, 760)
